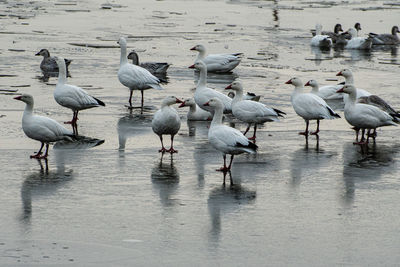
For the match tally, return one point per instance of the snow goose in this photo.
(250, 111)
(325, 92)
(386, 38)
(217, 62)
(167, 121)
(226, 139)
(203, 93)
(247, 96)
(40, 128)
(195, 113)
(349, 79)
(333, 35)
(364, 116)
(320, 40)
(152, 67)
(309, 106)
(71, 96)
(362, 43)
(135, 77)
(49, 63)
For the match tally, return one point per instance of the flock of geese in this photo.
(363, 110)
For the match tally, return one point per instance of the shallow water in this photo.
(297, 202)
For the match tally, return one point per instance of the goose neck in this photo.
(217, 118)
(202, 77)
(123, 59)
(62, 72)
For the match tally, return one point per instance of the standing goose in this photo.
(49, 63)
(364, 116)
(361, 43)
(135, 77)
(386, 38)
(319, 40)
(195, 113)
(152, 67)
(203, 93)
(250, 111)
(226, 139)
(309, 106)
(349, 79)
(325, 92)
(40, 128)
(217, 62)
(71, 96)
(167, 121)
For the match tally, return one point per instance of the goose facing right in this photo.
(40, 128)
(135, 77)
(386, 38)
(226, 139)
(361, 43)
(309, 106)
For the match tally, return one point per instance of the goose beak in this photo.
(339, 74)
(178, 100)
(182, 104)
(193, 48)
(307, 84)
(18, 97)
(191, 67)
(228, 87)
(289, 82)
(37, 54)
(340, 90)
(206, 104)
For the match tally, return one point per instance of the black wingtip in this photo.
(249, 145)
(280, 112)
(101, 103)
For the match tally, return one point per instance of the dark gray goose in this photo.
(334, 35)
(153, 67)
(49, 63)
(386, 38)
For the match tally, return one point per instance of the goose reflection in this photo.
(217, 78)
(224, 200)
(203, 155)
(320, 54)
(364, 164)
(165, 179)
(132, 125)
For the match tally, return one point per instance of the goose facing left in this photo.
(49, 63)
(135, 77)
(71, 96)
(40, 128)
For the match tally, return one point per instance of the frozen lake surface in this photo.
(118, 202)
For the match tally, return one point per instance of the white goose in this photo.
(71, 96)
(226, 139)
(320, 40)
(250, 111)
(40, 128)
(309, 106)
(362, 43)
(195, 113)
(167, 121)
(349, 79)
(135, 77)
(217, 62)
(203, 93)
(364, 116)
(325, 92)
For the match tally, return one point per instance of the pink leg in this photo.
(37, 155)
(362, 141)
(316, 131)
(171, 149)
(306, 131)
(162, 150)
(254, 134)
(247, 129)
(223, 169)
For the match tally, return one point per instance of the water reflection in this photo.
(364, 164)
(47, 75)
(217, 78)
(321, 54)
(165, 179)
(198, 128)
(224, 200)
(203, 154)
(275, 14)
(132, 125)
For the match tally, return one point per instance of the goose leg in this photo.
(74, 123)
(37, 155)
(362, 141)
(130, 99)
(230, 163)
(306, 131)
(316, 131)
(141, 111)
(162, 150)
(223, 169)
(46, 153)
(247, 129)
(254, 134)
(171, 149)
(357, 131)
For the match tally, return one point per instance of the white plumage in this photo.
(364, 116)
(71, 96)
(40, 128)
(320, 40)
(309, 106)
(250, 111)
(362, 43)
(226, 139)
(195, 113)
(203, 93)
(135, 77)
(349, 79)
(167, 121)
(325, 92)
(217, 62)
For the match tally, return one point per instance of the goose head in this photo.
(214, 103)
(28, 99)
(357, 26)
(122, 42)
(295, 81)
(236, 86)
(345, 73)
(170, 100)
(395, 30)
(347, 89)
(43, 52)
(187, 103)
(318, 29)
(198, 65)
(338, 28)
(199, 48)
(312, 83)
(134, 56)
